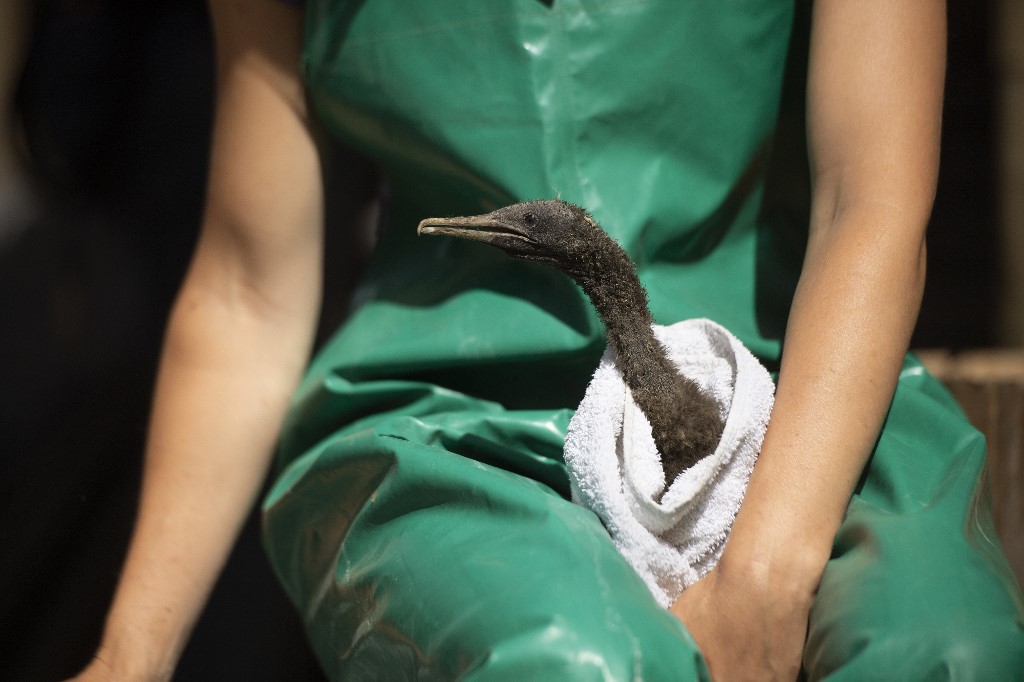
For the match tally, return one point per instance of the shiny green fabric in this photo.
(420, 521)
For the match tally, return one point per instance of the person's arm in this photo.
(236, 345)
(874, 102)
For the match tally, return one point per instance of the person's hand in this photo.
(748, 627)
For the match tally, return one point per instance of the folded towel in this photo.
(616, 471)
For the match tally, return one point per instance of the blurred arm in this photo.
(237, 341)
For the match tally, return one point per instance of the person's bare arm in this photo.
(874, 102)
(237, 342)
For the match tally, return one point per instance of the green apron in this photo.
(420, 521)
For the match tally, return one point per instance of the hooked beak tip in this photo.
(425, 227)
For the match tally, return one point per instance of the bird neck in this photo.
(616, 293)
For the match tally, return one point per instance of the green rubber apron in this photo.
(421, 521)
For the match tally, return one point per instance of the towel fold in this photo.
(615, 469)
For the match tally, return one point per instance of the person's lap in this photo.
(442, 564)
(440, 545)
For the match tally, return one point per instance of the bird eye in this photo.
(530, 219)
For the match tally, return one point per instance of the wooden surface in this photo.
(989, 385)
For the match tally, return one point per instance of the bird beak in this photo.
(481, 228)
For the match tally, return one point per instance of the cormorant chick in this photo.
(685, 423)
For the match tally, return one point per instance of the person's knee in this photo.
(978, 653)
(934, 651)
(561, 652)
(548, 660)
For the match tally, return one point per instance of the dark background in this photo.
(114, 99)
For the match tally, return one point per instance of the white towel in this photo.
(616, 471)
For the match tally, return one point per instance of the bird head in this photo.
(550, 231)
